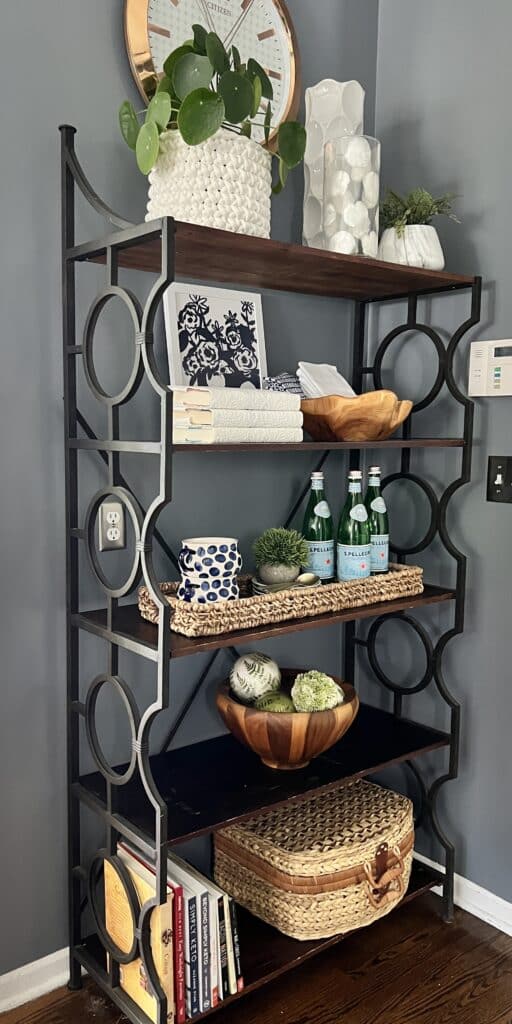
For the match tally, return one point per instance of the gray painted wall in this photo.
(65, 62)
(444, 81)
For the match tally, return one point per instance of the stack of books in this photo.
(194, 937)
(235, 416)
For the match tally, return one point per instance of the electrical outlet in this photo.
(499, 478)
(111, 526)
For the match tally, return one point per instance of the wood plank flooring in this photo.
(410, 968)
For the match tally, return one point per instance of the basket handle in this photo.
(385, 884)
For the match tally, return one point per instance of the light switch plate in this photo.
(499, 478)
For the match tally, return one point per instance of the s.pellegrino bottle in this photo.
(353, 533)
(378, 522)
(318, 531)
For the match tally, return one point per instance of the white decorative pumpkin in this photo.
(253, 675)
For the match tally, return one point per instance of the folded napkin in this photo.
(236, 398)
(237, 435)
(319, 379)
(235, 418)
(283, 382)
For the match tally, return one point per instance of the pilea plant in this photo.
(203, 88)
(418, 207)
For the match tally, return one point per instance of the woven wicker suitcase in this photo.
(334, 862)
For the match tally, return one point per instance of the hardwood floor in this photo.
(410, 968)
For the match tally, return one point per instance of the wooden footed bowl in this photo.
(287, 740)
(370, 417)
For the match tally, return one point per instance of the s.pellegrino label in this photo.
(354, 549)
(318, 531)
(378, 522)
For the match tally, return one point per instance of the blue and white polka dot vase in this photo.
(209, 568)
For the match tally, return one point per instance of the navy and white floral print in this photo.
(219, 353)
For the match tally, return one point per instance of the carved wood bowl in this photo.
(287, 740)
(370, 417)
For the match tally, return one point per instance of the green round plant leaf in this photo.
(200, 116)
(216, 53)
(200, 34)
(283, 175)
(253, 69)
(256, 98)
(174, 57)
(128, 124)
(191, 72)
(237, 92)
(147, 148)
(159, 110)
(165, 85)
(292, 142)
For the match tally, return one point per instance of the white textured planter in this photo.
(419, 246)
(225, 182)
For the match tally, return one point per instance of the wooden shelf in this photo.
(131, 631)
(220, 781)
(207, 254)
(265, 953)
(327, 446)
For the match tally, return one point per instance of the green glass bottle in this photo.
(318, 530)
(354, 533)
(378, 522)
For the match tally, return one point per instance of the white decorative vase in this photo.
(351, 195)
(419, 246)
(333, 110)
(225, 182)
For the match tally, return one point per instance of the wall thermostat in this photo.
(490, 368)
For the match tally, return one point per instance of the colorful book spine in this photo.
(179, 952)
(223, 952)
(236, 946)
(192, 965)
(206, 987)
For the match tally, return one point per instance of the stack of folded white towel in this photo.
(320, 379)
(235, 416)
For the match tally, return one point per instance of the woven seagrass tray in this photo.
(249, 610)
(325, 866)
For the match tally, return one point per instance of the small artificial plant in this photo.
(418, 207)
(278, 546)
(315, 691)
(204, 87)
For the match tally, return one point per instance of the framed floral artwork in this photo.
(214, 337)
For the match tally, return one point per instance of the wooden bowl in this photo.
(285, 739)
(370, 417)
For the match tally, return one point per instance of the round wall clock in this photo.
(261, 29)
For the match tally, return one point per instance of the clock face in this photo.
(258, 28)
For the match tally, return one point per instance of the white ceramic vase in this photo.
(419, 246)
(225, 182)
(333, 110)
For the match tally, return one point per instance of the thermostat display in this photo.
(490, 369)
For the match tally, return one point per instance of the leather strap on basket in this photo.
(385, 885)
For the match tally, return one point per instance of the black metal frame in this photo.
(144, 522)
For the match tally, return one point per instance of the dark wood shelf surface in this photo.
(220, 781)
(265, 953)
(134, 632)
(208, 254)
(322, 446)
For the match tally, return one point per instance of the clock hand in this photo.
(207, 14)
(238, 24)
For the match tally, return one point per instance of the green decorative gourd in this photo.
(253, 675)
(315, 691)
(279, 701)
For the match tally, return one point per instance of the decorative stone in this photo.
(358, 153)
(356, 218)
(253, 675)
(371, 189)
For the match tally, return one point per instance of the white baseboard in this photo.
(41, 976)
(33, 980)
(476, 900)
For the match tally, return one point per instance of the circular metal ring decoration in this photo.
(90, 326)
(372, 654)
(121, 956)
(441, 355)
(434, 511)
(90, 520)
(116, 778)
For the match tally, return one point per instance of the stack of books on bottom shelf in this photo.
(194, 937)
(235, 416)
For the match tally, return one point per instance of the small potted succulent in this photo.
(279, 555)
(409, 237)
(196, 141)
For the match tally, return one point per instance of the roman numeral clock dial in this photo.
(258, 28)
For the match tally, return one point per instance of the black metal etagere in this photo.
(157, 800)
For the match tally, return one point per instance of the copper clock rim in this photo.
(141, 62)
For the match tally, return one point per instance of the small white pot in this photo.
(225, 182)
(419, 246)
(278, 573)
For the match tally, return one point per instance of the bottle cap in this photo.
(317, 476)
(355, 474)
(374, 471)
